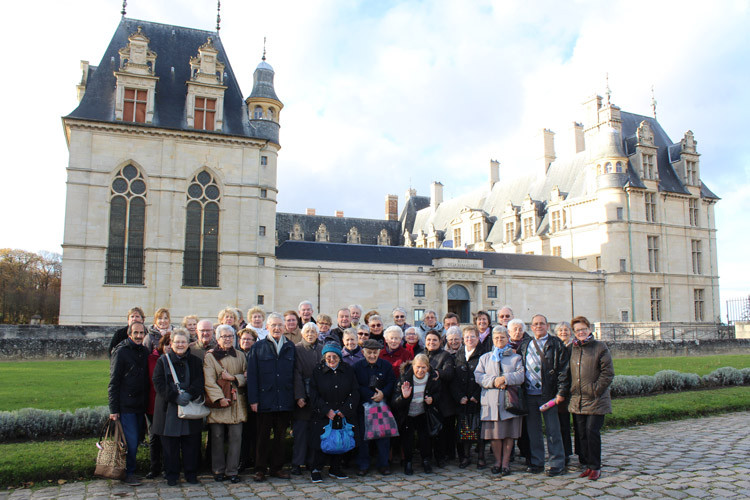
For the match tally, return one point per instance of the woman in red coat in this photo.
(394, 352)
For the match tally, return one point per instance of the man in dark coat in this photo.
(343, 321)
(128, 392)
(376, 381)
(546, 361)
(270, 393)
(135, 315)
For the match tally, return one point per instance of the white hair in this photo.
(517, 321)
(310, 326)
(394, 330)
(221, 328)
(356, 306)
(274, 315)
(398, 309)
(304, 303)
(454, 330)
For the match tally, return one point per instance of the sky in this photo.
(382, 96)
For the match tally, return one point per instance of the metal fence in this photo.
(659, 332)
(738, 310)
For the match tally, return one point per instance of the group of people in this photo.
(449, 388)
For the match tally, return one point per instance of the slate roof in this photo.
(174, 46)
(337, 227)
(337, 252)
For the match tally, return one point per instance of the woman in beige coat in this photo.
(226, 363)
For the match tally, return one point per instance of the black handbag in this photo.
(434, 422)
(515, 400)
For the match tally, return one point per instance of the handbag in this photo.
(468, 426)
(434, 422)
(226, 388)
(379, 421)
(194, 410)
(514, 400)
(110, 461)
(336, 441)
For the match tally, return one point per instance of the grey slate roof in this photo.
(174, 46)
(337, 227)
(337, 252)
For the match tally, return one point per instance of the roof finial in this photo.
(653, 102)
(124, 4)
(218, 15)
(608, 91)
(264, 49)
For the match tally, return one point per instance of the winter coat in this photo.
(128, 378)
(487, 344)
(555, 379)
(396, 358)
(422, 330)
(375, 376)
(351, 358)
(464, 384)
(444, 367)
(271, 376)
(120, 335)
(307, 357)
(334, 390)
(493, 400)
(152, 359)
(295, 337)
(166, 422)
(400, 404)
(337, 335)
(236, 412)
(591, 374)
(198, 350)
(153, 336)
(414, 349)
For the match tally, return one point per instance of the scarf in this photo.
(484, 334)
(498, 352)
(585, 341)
(276, 344)
(308, 345)
(220, 354)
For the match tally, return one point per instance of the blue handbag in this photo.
(337, 441)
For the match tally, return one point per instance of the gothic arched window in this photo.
(127, 216)
(200, 264)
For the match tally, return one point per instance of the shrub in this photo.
(30, 423)
(724, 376)
(745, 375)
(647, 383)
(670, 380)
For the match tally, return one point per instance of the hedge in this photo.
(671, 381)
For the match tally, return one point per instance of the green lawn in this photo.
(701, 365)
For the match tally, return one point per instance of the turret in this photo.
(263, 106)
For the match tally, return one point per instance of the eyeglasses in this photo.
(505, 315)
(399, 317)
(377, 325)
(581, 330)
(226, 336)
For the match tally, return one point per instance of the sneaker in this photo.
(131, 480)
(316, 476)
(337, 473)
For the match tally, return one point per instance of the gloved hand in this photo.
(183, 399)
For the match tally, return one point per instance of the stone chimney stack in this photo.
(310, 211)
(494, 172)
(548, 148)
(436, 195)
(578, 141)
(339, 214)
(391, 207)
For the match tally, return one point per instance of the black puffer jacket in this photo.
(334, 390)
(400, 404)
(444, 366)
(556, 377)
(464, 384)
(128, 378)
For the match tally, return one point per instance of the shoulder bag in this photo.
(194, 410)
(110, 461)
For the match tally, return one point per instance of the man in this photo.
(135, 315)
(343, 321)
(399, 318)
(270, 393)
(376, 382)
(128, 393)
(305, 310)
(504, 316)
(206, 341)
(355, 312)
(450, 319)
(430, 322)
(546, 361)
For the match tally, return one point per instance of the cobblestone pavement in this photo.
(699, 458)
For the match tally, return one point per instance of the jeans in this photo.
(536, 435)
(564, 418)
(588, 427)
(133, 427)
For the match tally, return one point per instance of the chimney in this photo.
(339, 214)
(391, 207)
(578, 141)
(310, 211)
(548, 151)
(436, 195)
(409, 194)
(81, 87)
(494, 172)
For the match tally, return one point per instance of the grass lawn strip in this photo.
(700, 365)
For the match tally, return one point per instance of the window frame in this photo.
(491, 291)
(655, 302)
(204, 118)
(653, 253)
(125, 255)
(137, 106)
(420, 290)
(201, 255)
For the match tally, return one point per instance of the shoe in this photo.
(481, 463)
(172, 482)
(464, 463)
(337, 473)
(408, 469)
(585, 473)
(281, 474)
(192, 480)
(384, 471)
(427, 467)
(555, 472)
(595, 474)
(235, 479)
(316, 476)
(259, 477)
(131, 480)
(496, 470)
(535, 469)
(362, 472)
(505, 471)
(219, 477)
(151, 475)
(296, 470)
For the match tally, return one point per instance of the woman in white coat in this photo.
(496, 371)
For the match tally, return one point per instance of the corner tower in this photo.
(263, 106)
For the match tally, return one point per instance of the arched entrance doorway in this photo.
(459, 303)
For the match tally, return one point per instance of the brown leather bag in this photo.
(226, 387)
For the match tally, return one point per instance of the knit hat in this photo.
(332, 347)
(372, 344)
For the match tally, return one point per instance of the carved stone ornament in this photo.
(645, 134)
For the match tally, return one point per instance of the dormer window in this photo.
(649, 166)
(134, 108)
(136, 81)
(205, 113)
(205, 90)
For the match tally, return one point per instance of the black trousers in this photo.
(189, 446)
(249, 439)
(524, 447)
(588, 427)
(445, 442)
(416, 425)
(564, 417)
(154, 448)
(271, 454)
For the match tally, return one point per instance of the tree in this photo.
(29, 285)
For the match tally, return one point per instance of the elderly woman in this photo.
(591, 374)
(162, 325)
(241, 323)
(248, 338)
(412, 342)
(453, 340)
(444, 367)
(363, 334)
(291, 326)
(256, 320)
(399, 318)
(418, 389)
(429, 322)
(224, 362)
(465, 390)
(309, 352)
(375, 324)
(563, 331)
(483, 324)
(178, 434)
(496, 372)
(228, 316)
(335, 393)
(324, 325)
(190, 324)
(394, 352)
(352, 352)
